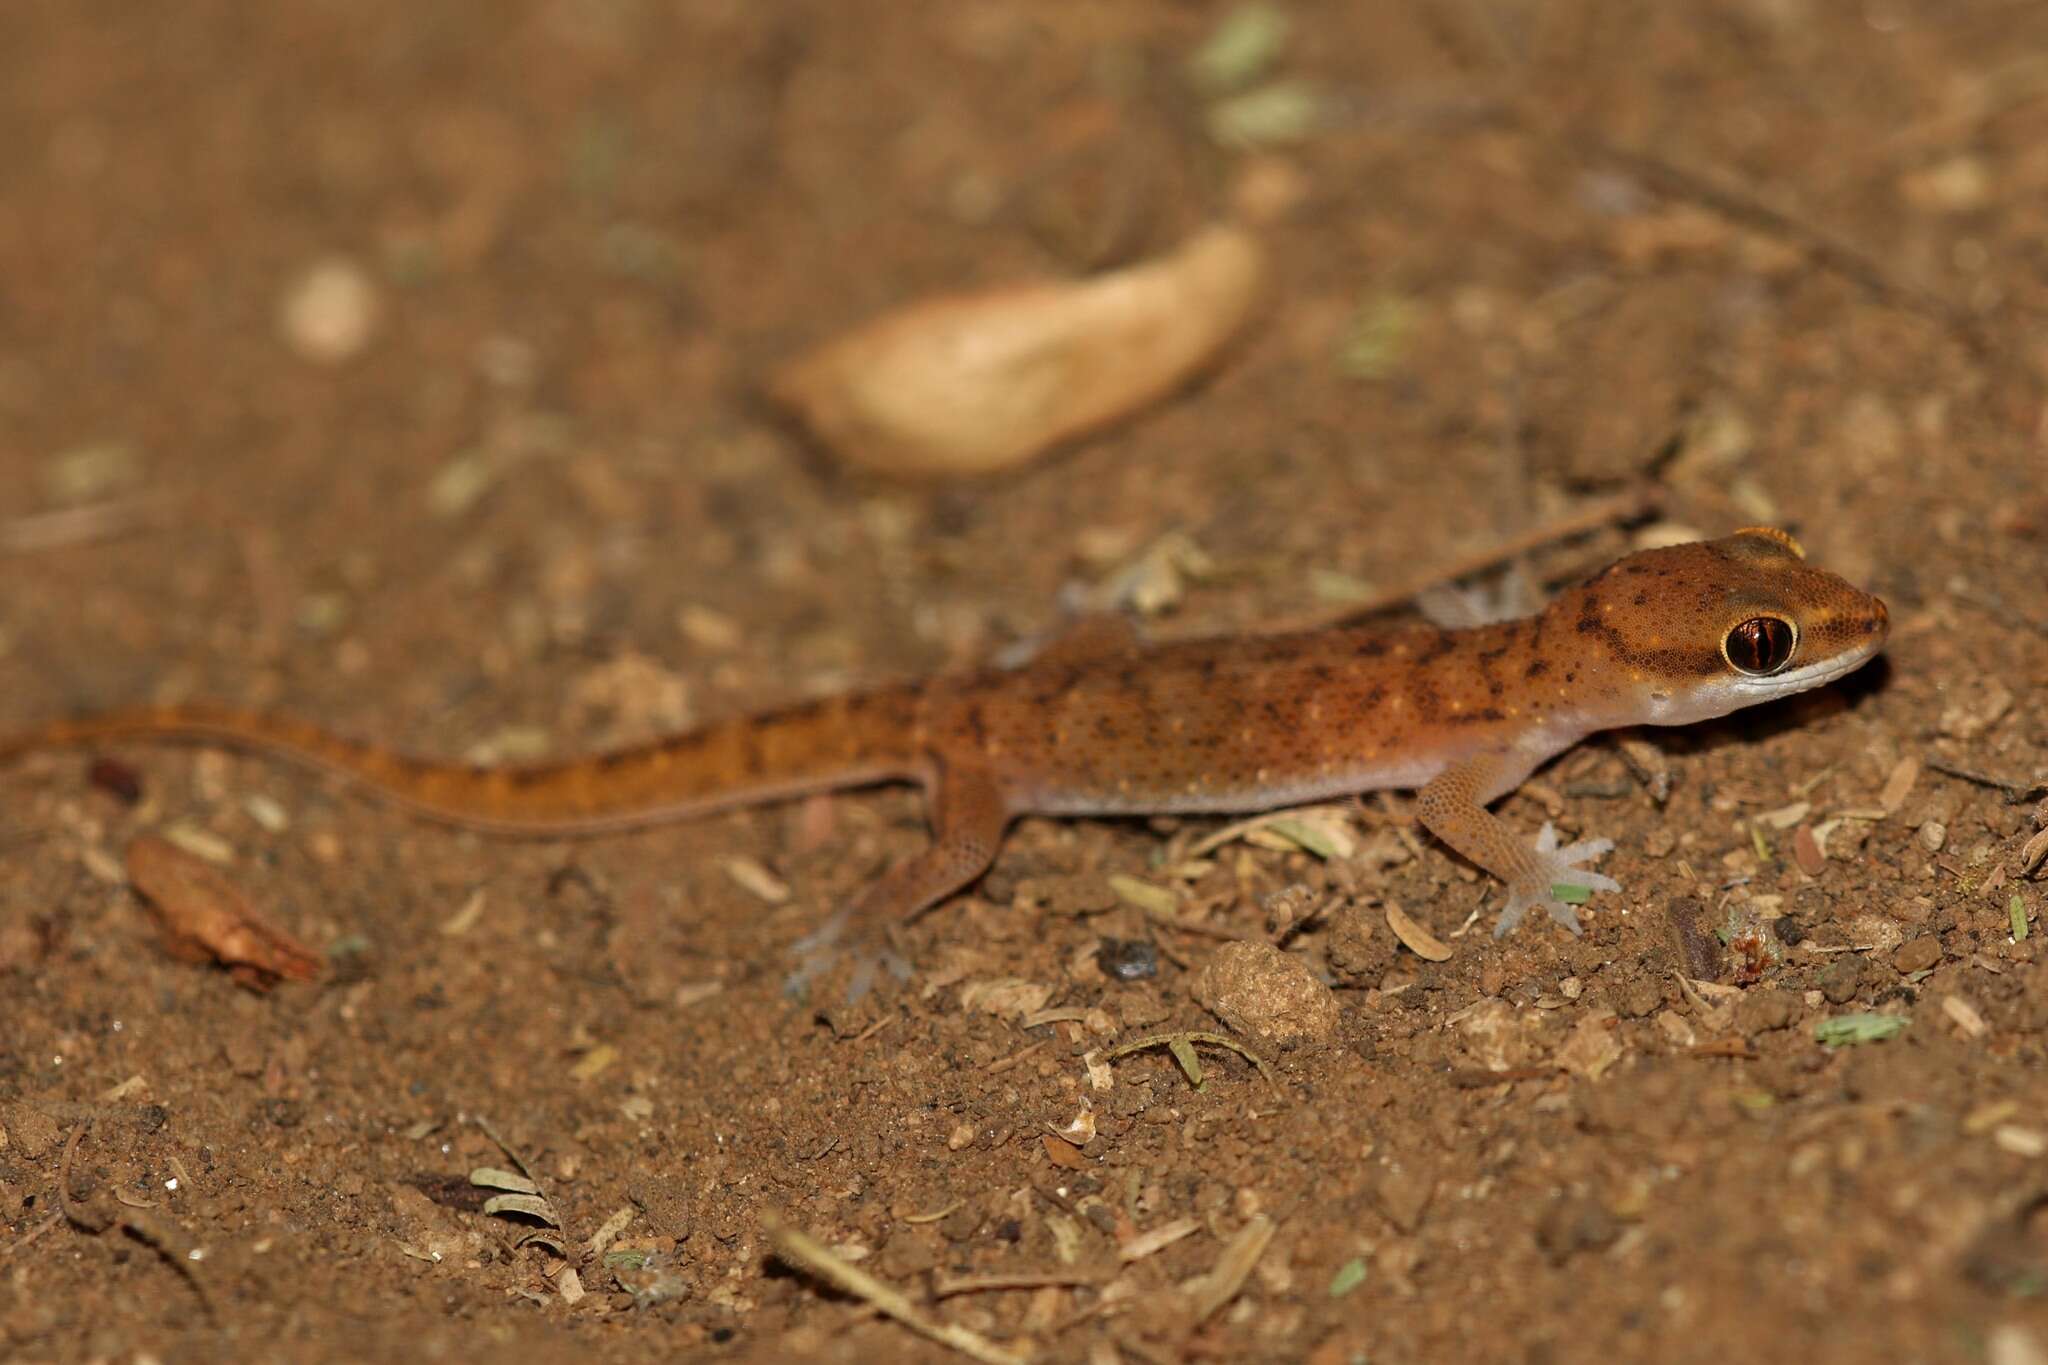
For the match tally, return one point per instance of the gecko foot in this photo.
(1557, 870)
(836, 940)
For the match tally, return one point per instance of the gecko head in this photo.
(1689, 632)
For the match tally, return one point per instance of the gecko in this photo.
(1101, 723)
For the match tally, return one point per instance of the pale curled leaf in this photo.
(1156, 901)
(974, 383)
(1414, 937)
(498, 1178)
(527, 1205)
(1233, 1268)
(1157, 1240)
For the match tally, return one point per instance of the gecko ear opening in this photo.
(1776, 537)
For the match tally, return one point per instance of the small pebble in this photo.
(116, 779)
(1806, 851)
(1128, 959)
(1917, 955)
(328, 314)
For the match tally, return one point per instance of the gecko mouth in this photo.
(1818, 674)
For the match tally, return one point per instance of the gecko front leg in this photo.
(1453, 808)
(968, 816)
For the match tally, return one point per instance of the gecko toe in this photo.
(830, 944)
(1558, 871)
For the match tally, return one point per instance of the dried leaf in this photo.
(526, 1205)
(1417, 939)
(1010, 997)
(1967, 1017)
(498, 1178)
(1151, 1243)
(205, 917)
(1232, 1269)
(1325, 833)
(1156, 901)
(1184, 1052)
(1852, 1030)
(974, 383)
(752, 877)
(1065, 1154)
(1079, 1130)
(1240, 49)
(1899, 784)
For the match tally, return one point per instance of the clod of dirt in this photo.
(1641, 996)
(1765, 1011)
(1574, 1225)
(975, 383)
(1358, 955)
(28, 1132)
(1402, 1193)
(1256, 989)
(1842, 979)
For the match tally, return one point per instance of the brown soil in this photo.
(1783, 258)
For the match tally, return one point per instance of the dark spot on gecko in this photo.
(1373, 648)
(1537, 668)
(1641, 599)
(1442, 645)
(977, 723)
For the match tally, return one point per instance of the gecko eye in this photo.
(1760, 646)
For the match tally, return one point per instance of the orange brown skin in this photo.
(1101, 724)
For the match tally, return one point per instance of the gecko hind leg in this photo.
(969, 815)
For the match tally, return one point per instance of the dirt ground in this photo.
(399, 365)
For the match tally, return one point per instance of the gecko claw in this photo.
(819, 951)
(1557, 869)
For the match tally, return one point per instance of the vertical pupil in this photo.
(1760, 645)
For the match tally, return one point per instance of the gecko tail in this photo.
(838, 742)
